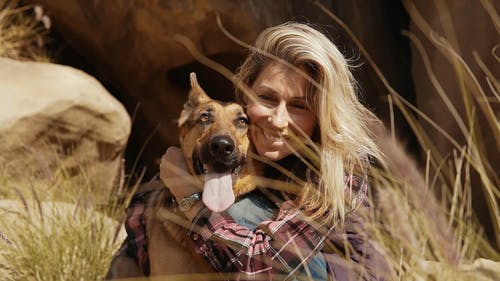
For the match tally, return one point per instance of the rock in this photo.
(136, 39)
(58, 120)
(458, 23)
(468, 29)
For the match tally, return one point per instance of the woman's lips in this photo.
(277, 140)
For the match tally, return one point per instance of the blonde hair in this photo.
(345, 141)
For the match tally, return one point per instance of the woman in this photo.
(308, 125)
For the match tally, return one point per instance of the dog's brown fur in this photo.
(170, 252)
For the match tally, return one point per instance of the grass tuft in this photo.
(23, 31)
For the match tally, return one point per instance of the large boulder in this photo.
(58, 120)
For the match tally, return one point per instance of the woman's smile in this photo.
(276, 140)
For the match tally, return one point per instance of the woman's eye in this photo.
(298, 105)
(268, 101)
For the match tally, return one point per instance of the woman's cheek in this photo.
(306, 123)
(254, 111)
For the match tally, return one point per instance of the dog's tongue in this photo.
(218, 191)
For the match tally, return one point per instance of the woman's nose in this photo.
(280, 117)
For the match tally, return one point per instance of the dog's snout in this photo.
(221, 146)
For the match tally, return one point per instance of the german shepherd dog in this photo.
(214, 141)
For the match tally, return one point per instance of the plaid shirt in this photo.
(278, 249)
(135, 244)
(281, 248)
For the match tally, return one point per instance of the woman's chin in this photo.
(275, 155)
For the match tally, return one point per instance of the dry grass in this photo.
(57, 241)
(53, 228)
(23, 31)
(402, 224)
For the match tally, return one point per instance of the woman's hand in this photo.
(175, 175)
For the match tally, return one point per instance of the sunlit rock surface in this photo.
(58, 120)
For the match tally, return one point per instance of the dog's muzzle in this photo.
(221, 153)
(218, 160)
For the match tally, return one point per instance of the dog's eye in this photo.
(241, 122)
(204, 119)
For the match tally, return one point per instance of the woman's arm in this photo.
(175, 175)
(278, 246)
(275, 246)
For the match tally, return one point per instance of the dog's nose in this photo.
(221, 146)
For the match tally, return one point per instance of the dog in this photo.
(214, 140)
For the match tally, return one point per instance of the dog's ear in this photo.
(196, 96)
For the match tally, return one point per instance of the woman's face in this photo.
(279, 109)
